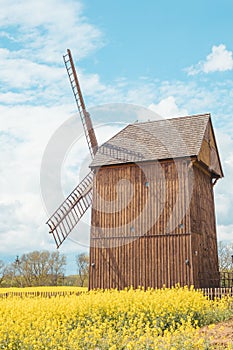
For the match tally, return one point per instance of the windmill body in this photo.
(153, 218)
(151, 192)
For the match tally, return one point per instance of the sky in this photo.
(174, 58)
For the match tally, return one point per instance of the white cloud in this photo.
(36, 35)
(14, 98)
(224, 187)
(44, 27)
(22, 73)
(219, 60)
(24, 134)
(168, 108)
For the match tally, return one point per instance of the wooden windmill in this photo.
(151, 191)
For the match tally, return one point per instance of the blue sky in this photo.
(172, 57)
(157, 38)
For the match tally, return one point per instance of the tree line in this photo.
(43, 268)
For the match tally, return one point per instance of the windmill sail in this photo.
(85, 116)
(64, 219)
(62, 222)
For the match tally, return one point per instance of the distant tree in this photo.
(10, 280)
(82, 261)
(225, 252)
(39, 268)
(3, 271)
(57, 264)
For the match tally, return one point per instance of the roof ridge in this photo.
(173, 118)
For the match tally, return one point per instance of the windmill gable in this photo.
(208, 153)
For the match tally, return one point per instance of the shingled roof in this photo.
(154, 140)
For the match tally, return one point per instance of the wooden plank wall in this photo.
(146, 261)
(140, 226)
(203, 227)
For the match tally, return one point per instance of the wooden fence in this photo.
(217, 292)
(41, 294)
(209, 292)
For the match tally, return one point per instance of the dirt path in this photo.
(220, 335)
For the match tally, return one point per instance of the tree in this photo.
(39, 268)
(225, 252)
(82, 261)
(57, 264)
(3, 271)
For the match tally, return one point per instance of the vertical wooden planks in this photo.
(159, 256)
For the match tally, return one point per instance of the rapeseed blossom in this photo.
(111, 319)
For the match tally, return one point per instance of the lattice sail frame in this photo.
(66, 217)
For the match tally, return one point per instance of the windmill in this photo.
(151, 191)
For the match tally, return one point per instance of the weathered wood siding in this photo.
(146, 261)
(153, 225)
(141, 229)
(203, 228)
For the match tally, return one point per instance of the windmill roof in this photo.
(154, 140)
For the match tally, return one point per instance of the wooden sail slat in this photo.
(84, 115)
(64, 219)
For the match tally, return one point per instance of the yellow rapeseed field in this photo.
(129, 319)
